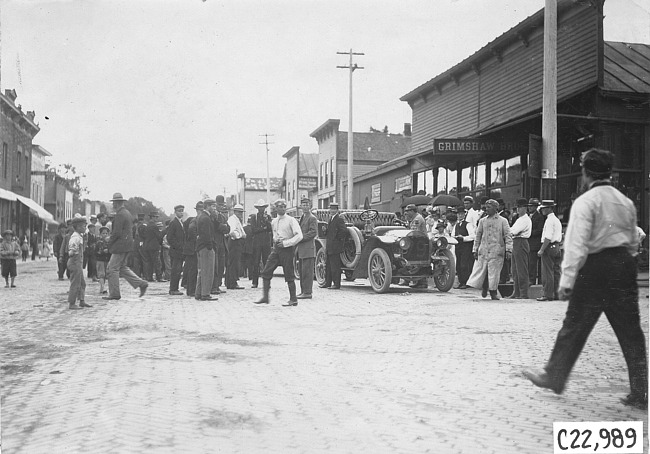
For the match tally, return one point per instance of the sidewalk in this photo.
(349, 371)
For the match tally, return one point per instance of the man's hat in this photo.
(410, 207)
(334, 205)
(468, 198)
(199, 205)
(178, 207)
(492, 202)
(280, 202)
(92, 216)
(219, 199)
(117, 197)
(305, 199)
(533, 202)
(79, 220)
(140, 216)
(522, 203)
(547, 203)
(440, 225)
(484, 199)
(460, 209)
(261, 204)
(238, 207)
(208, 202)
(103, 227)
(8, 232)
(598, 161)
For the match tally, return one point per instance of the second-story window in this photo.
(320, 177)
(332, 172)
(326, 173)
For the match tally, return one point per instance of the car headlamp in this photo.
(405, 243)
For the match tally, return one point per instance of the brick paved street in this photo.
(349, 371)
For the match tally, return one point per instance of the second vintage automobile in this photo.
(383, 252)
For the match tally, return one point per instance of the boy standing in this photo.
(103, 256)
(75, 264)
(9, 252)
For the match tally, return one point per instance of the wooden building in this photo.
(477, 126)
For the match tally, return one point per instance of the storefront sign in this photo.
(403, 183)
(306, 182)
(375, 191)
(477, 146)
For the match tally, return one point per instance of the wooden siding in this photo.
(513, 87)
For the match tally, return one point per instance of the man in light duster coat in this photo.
(493, 242)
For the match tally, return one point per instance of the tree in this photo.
(137, 205)
(75, 179)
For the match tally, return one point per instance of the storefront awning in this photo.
(36, 209)
(8, 195)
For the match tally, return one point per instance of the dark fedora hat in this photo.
(522, 202)
(117, 197)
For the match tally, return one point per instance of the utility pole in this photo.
(549, 103)
(351, 67)
(268, 176)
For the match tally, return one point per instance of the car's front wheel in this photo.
(319, 266)
(380, 273)
(444, 280)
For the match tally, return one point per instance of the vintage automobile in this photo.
(379, 249)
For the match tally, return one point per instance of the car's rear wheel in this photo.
(319, 266)
(380, 273)
(444, 280)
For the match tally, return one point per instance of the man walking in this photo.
(464, 232)
(336, 233)
(535, 242)
(306, 249)
(205, 252)
(599, 275)
(550, 252)
(520, 231)
(176, 241)
(286, 234)
(235, 247)
(260, 223)
(56, 247)
(493, 243)
(120, 244)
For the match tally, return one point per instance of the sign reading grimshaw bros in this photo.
(480, 145)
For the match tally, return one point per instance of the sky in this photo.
(169, 99)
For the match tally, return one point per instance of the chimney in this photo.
(11, 94)
(407, 129)
(31, 115)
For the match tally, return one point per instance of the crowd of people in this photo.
(592, 265)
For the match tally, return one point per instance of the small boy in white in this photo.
(75, 264)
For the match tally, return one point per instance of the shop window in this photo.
(424, 182)
(513, 171)
(497, 173)
(452, 181)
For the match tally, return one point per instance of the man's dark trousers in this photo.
(333, 270)
(177, 268)
(261, 252)
(464, 261)
(234, 257)
(280, 257)
(307, 275)
(606, 283)
(519, 266)
(190, 271)
(551, 260)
